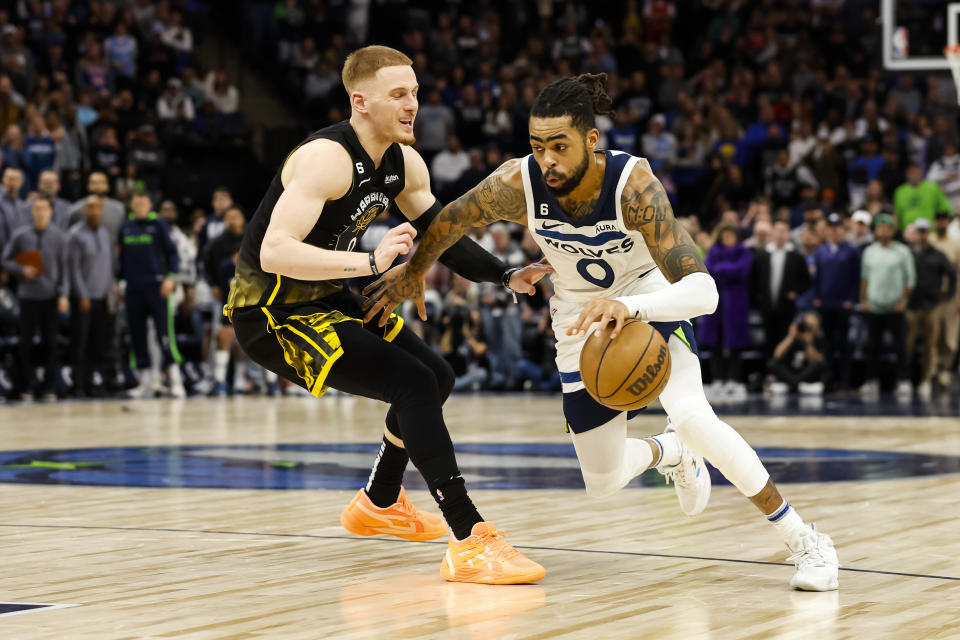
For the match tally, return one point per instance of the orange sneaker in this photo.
(487, 558)
(401, 519)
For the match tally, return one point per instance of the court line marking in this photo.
(41, 606)
(313, 536)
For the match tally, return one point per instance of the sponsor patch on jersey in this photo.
(391, 178)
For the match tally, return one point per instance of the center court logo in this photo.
(347, 466)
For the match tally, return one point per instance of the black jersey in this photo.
(339, 226)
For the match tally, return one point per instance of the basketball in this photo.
(627, 372)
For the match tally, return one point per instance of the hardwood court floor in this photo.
(150, 562)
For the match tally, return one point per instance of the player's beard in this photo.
(571, 183)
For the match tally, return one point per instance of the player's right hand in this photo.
(30, 272)
(397, 242)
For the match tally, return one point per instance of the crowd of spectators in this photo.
(93, 95)
(781, 141)
(821, 190)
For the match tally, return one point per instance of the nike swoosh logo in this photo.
(552, 226)
(362, 181)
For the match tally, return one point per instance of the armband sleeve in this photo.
(692, 295)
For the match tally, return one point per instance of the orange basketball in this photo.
(628, 372)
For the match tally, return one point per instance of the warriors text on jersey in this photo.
(594, 256)
(339, 227)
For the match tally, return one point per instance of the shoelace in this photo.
(493, 540)
(809, 554)
(676, 474)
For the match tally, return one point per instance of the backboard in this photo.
(915, 33)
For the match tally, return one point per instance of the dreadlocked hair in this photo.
(581, 97)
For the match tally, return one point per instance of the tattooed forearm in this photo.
(670, 245)
(491, 200)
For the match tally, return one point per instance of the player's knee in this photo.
(445, 378)
(600, 485)
(416, 385)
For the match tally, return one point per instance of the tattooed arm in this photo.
(692, 291)
(498, 197)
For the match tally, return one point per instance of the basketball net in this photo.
(953, 57)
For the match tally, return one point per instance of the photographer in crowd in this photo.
(798, 362)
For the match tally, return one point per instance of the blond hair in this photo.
(364, 63)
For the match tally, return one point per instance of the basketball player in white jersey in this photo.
(604, 222)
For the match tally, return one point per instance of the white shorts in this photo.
(581, 411)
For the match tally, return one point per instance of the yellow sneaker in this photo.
(487, 558)
(401, 519)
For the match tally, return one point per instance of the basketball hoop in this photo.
(953, 58)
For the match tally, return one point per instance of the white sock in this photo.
(669, 449)
(270, 376)
(788, 523)
(220, 361)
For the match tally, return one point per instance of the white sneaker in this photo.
(690, 478)
(924, 390)
(176, 382)
(870, 388)
(145, 388)
(737, 391)
(811, 388)
(779, 388)
(904, 389)
(816, 561)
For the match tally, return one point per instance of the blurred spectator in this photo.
(783, 181)
(936, 284)
(918, 198)
(813, 218)
(39, 151)
(435, 122)
(860, 235)
(470, 118)
(12, 147)
(90, 260)
(148, 157)
(623, 135)
(449, 164)
(193, 87)
(798, 361)
(778, 276)
(49, 187)
(93, 72)
(945, 173)
(11, 104)
(659, 145)
(726, 331)
(219, 91)
(176, 36)
(186, 246)
(949, 312)
(106, 155)
(148, 266)
(220, 202)
(114, 213)
(501, 318)
(11, 205)
(836, 289)
(174, 104)
(862, 169)
(462, 341)
(121, 52)
(323, 79)
(888, 276)
(36, 256)
(220, 259)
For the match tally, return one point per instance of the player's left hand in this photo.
(390, 290)
(522, 281)
(603, 311)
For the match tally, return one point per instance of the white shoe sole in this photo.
(831, 584)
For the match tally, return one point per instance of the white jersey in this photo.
(595, 256)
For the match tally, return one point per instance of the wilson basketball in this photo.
(628, 372)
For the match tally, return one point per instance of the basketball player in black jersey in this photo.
(293, 314)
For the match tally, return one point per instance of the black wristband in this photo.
(373, 264)
(505, 278)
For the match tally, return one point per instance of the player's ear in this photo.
(358, 102)
(593, 139)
